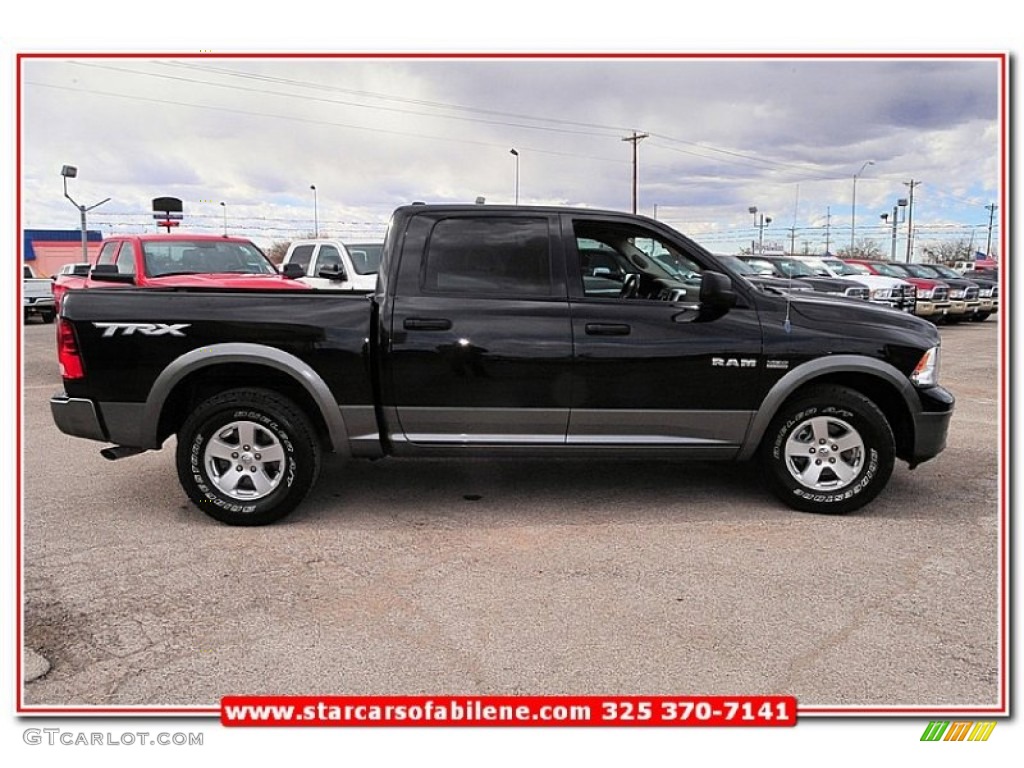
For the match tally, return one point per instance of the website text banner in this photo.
(511, 711)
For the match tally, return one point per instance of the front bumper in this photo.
(925, 308)
(931, 424)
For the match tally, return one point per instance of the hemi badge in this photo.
(777, 364)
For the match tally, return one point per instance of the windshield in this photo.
(737, 265)
(842, 268)
(945, 271)
(818, 266)
(891, 270)
(919, 270)
(193, 257)
(365, 257)
(788, 267)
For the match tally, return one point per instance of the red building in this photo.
(47, 250)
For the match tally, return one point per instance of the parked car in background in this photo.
(37, 295)
(988, 289)
(931, 299)
(790, 267)
(71, 276)
(175, 261)
(968, 268)
(365, 257)
(964, 295)
(888, 291)
(328, 264)
(778, 285)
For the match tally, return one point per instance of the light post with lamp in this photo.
(515, 153)
(224, 206)
(901, 203)
(853, 209)
(760, 221)
(316, 214)
(70, 172)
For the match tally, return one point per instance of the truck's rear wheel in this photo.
(830, 449)
(247, 456)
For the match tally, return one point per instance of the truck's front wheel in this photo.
(247, 456)
(830, 449)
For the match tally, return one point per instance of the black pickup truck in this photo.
(505, 331)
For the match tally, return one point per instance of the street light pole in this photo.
(316, 215)
(515, 154)
(759, 222)
(70, 172)
(225, 207)
(901, 203)
(853, 210)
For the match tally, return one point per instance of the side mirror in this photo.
(293, 271)
(716, 291)
(333, 272)
(107, 273)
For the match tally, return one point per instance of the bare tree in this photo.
(276, 252)
(948, 251)
(863, 249)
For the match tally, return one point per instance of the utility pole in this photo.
(828, 227)
(635, 139)
(991, 208)
(910, 218)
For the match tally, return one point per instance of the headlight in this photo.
(835, 293)
(957, 293)
(925, 293)
(986, 293)
(881, 293)
(926, 372)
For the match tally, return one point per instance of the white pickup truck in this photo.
(328, 264)
(37, 295)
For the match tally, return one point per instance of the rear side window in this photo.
(489, 256)
(301, 256)
(107, 252)
(126, 259)
(328, 257)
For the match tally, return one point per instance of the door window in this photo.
(625, 261)
(489, 256)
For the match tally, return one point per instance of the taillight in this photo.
(70, 359)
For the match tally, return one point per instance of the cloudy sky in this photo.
(784, 135)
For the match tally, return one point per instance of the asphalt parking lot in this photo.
(515, 577)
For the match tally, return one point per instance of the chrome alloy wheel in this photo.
(824, 453)
(244, 460)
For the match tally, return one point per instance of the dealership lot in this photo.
(427, 576)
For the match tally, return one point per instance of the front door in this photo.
(650, 366)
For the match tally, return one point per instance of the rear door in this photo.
(480, 347)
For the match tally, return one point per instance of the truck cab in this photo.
(329, 265)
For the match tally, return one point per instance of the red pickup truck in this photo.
(178, 261)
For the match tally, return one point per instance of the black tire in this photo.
(273, 474)
(981, 317)
(834, 477)
(48, 316)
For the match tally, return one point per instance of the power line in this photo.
(294, 118)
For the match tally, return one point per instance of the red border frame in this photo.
(1004, 324)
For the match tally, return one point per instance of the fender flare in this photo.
(258, 354)
(812, 369)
